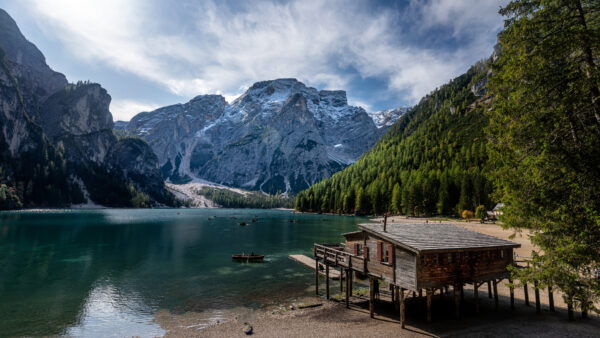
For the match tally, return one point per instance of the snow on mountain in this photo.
(280, 136)
(386, 118)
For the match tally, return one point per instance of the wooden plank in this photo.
(312, 264)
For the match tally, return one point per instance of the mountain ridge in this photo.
(279, 136)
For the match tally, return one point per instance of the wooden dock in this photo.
(310, 263)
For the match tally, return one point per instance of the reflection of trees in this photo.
(51, 262)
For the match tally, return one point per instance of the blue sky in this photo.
(150, 53)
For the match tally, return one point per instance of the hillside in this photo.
(432, 161)
(57, 146)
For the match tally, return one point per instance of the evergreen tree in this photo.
(545, 137)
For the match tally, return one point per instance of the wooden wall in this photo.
(406, 269)
(462, 267)
(374, 267)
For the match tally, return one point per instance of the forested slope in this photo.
(432, 161)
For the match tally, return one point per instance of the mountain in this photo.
(280, 136)
(57, 144)
(387, 118)
(432, 161)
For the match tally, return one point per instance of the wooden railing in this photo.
(330, 254)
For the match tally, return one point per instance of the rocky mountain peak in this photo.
(37, 81)
(334, 98)
(386, 118)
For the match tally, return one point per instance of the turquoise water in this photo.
(106, 272)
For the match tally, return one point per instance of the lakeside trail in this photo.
(332, 319)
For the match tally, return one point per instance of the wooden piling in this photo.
(371, 296)
(538, 307)
(317, 276)
(495, 295)
(397, 302)
(420, 293)
(512, 294)
(347, 289)
(392, 292)
(526, 291)
(551, 298)
(402, 308)
(428, 293)
(476, 296)
(462, 293)
(341, 280)
(457, 301)
(327, 280)
(570, 308)
(489, 283)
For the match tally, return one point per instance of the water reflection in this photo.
(94, 272)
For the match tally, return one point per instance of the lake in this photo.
(106, 272)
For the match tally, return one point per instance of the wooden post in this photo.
(402, 308)
(371, 296)
(457, 301)
(316, 276)
(428, 293)
(584, 307)
(441, 294)
(462, 294)
(489, 289)
(347, 290)
(341, 280)
(392, 287)
(526, 291)
(512, 294)
(414, 294)
(495, 295)
(551, 298)
(327, 280)
(420, 293)
(351, 281)
(476, 296)
(570, 308)
(538, 307)
(397, 302)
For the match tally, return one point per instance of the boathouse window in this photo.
(450, 260)
(358, 249)
(422, 260)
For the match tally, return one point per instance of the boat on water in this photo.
(248, 258)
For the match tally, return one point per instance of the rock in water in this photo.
(248, 329)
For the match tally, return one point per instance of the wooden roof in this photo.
(436, 237)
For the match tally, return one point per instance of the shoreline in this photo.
(331, 318)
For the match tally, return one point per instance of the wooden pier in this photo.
(310, 263)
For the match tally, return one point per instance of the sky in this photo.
(153, 53)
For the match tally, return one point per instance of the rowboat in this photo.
(248, 258)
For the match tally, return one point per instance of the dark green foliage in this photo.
(256, 200)
(432, 161)
(545, 137)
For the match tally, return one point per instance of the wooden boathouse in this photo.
(419, 257)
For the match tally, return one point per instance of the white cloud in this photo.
(220, 49)
(125, 109)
